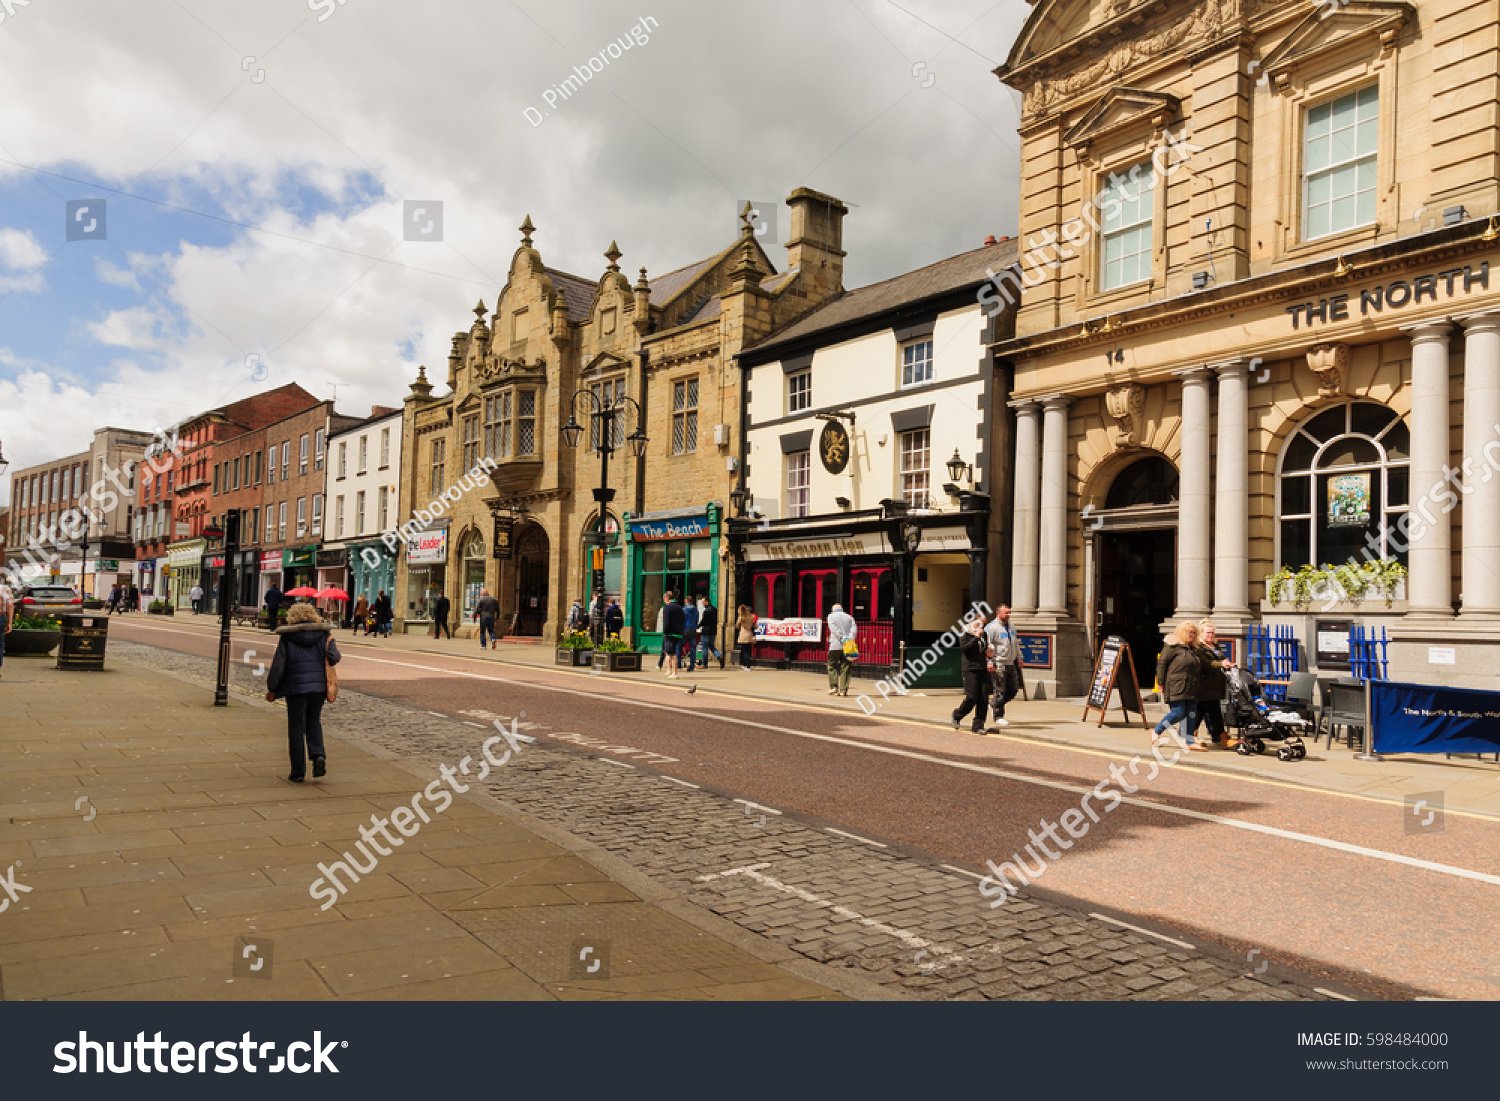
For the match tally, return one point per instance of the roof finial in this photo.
(479, 312)
(747, 220)
(643, 284)
(527, 229)
(613, 254)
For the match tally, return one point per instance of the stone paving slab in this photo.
(909, 927)
(167, 858)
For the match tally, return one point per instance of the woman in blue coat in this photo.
(299, 673)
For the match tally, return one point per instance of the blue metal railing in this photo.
(1368, 653)
(1272, 653)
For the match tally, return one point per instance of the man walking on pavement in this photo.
(708, 630)
(671, 632)
(440, 608)
(841, 629)
(974, 649)
(196, 596)
(273, 608)
(690, 633)
(487, 611)
(1005, 656)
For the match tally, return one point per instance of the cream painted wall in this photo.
(858, 370)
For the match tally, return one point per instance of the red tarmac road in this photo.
(1323, 884)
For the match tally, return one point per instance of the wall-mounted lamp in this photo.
(957, 468)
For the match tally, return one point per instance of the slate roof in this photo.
(967, 269)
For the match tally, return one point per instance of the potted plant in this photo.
(575, 648)
(158, 607)
(614, 655)
(33, 635)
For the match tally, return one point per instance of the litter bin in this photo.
(83, 638)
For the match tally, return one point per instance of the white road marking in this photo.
(1005, 774)
(1346, 998)
(468, 723)
(617, 764)
(439, 714)
(1144, 932)
(905, 936)
(857, 837)
(684, 783)
(961, 871)
(758, 806)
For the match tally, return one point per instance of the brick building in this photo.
(667, 345)
(176, 547)
(292, 498)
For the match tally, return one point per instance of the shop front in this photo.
(210, 573)
(675, 552)
(270, 574)
(906, 580)
(247, 578)
(372, 567)
(299, 567)
(186, 561)
(426, 570)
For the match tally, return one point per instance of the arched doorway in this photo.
(533, 551)
(1133, 544)
(472, 563)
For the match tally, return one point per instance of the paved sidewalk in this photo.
(157, 851)
(1468, 785)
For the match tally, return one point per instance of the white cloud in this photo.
(654, 152)
(20, 250)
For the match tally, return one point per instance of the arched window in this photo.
(473, 567)
(1344, 484)
(1148, 481)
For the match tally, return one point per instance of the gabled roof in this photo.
(967, 269)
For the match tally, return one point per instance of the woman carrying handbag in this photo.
(303, 673)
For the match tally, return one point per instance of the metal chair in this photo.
(1325, 705)
(1346, 708)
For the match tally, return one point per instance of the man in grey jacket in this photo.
(841, 628)
(1005, 657)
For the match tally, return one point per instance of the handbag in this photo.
(332, 674)
(851, 649)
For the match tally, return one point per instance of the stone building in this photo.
(663, 346)
(1259, 325)
(54, 505)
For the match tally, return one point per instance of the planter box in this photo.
(20, 643)
(578, 659)
(618, 662)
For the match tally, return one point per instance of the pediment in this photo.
(605, 363)
(1319, 34)
(1120, 108)
(1059, 26)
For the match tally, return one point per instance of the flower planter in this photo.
(21, 643)
(575, 658)
(620, 662)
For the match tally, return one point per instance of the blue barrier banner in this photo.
(1426, 718)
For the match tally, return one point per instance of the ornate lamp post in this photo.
(602, 415)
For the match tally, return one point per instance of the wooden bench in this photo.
(248, 615)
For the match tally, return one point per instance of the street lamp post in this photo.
(603, 414)
(230, 533)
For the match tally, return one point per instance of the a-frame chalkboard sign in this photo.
(1113, 669)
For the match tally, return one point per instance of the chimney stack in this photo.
(816, 246)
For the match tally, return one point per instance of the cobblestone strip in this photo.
(921, 930)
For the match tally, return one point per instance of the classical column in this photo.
(1193, 496)
(1053, 542)
(1232, 495)
(1028, 469)
(1429, 587)
(1481, 519)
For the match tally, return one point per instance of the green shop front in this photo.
(372, 567)
(299, 567)
(675, 551)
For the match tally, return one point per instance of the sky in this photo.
(202, 199)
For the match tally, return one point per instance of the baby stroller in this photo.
(1258, 723)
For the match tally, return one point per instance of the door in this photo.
(1135, 586)
(532, 552)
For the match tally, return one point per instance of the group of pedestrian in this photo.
(1191, 671)
(689, 629)
(990, 660)
(123, 598)
(373, 617)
